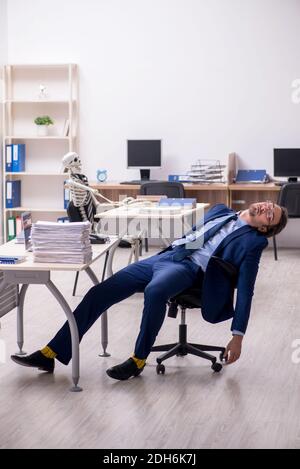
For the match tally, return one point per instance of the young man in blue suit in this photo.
(237, 238)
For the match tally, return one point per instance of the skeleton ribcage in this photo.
(81, 198)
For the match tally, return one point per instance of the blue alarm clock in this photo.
(101, 175)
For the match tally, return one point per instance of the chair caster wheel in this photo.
(160, 369)
(217, 367)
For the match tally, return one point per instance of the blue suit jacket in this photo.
(243, 249)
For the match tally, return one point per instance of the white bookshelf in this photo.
(42, 183)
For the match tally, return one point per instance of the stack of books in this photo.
(12, 259)
(65, 243)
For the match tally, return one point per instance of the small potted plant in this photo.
(43, 123)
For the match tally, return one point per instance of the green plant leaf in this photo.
(43, 120)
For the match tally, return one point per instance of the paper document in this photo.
(65, 243)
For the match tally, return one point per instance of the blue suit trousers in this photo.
(159, 277)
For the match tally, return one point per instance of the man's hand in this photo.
(233, 349)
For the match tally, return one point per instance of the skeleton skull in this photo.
(71, 162)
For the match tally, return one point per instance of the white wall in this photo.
(3, 60)
(206, 76)
(3, 31)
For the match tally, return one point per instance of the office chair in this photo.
(170, 189)
(191, 299)
(289, 197)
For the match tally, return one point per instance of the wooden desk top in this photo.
(13, 249)
(254, 187)
(112, 185)
(205, 187)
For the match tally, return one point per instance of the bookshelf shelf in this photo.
(35, 101)
(29, 91)
(37, 210)
(22, 173)
(32, 137)
(61, 66)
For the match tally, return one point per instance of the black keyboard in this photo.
(136, 182)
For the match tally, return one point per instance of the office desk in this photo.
(210, 193)
(242, 195)
(157, 223)
(29, 272)
(236, 196)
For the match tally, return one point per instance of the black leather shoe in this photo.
(35, 360)
(125, 370)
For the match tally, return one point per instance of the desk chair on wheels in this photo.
(170, 189)
(289, 197)
(190, 299)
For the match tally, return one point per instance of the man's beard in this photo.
(252, 210)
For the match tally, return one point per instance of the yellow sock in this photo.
(140, 362)
(48, 352)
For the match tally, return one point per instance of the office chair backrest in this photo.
(229, 269)
(170, 189)
(289, 197)
(191, 297)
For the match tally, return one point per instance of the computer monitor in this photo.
(287, 163)
(144, 154)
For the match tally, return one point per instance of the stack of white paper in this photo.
(65, 243)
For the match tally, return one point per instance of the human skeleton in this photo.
(80, 192)
(84, 198)
(82, 195)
